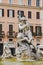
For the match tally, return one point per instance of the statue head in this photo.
(23, 19)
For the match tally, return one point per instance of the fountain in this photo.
(25, 49)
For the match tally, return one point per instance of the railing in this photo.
(2, 34)
(11, 34)
(35, 34)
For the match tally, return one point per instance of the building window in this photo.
(29, 14)
(0, 1)
(10, 29)
(20, 13)
(37, 3)
(10, 1)
(38, 30)
(10, 13)
(1, 12)
(20, 2)
(37, 15)
(29, 2)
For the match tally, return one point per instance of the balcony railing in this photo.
(11, 34)
(2, 34)
(39, 35)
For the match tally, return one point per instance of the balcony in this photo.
(37, 35)
(11, 34)
(2, 34)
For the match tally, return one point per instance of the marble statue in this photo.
(24, 39)
(6, 51)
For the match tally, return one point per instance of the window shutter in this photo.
(2, 12)
(37, 15)
(8, 13)
(18, 12)
(0, 28)
(10, 29)
(13, 13)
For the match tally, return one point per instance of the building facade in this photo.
(9, 11)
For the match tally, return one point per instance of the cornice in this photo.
(21, 6)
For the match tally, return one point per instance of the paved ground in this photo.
(14, 62)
